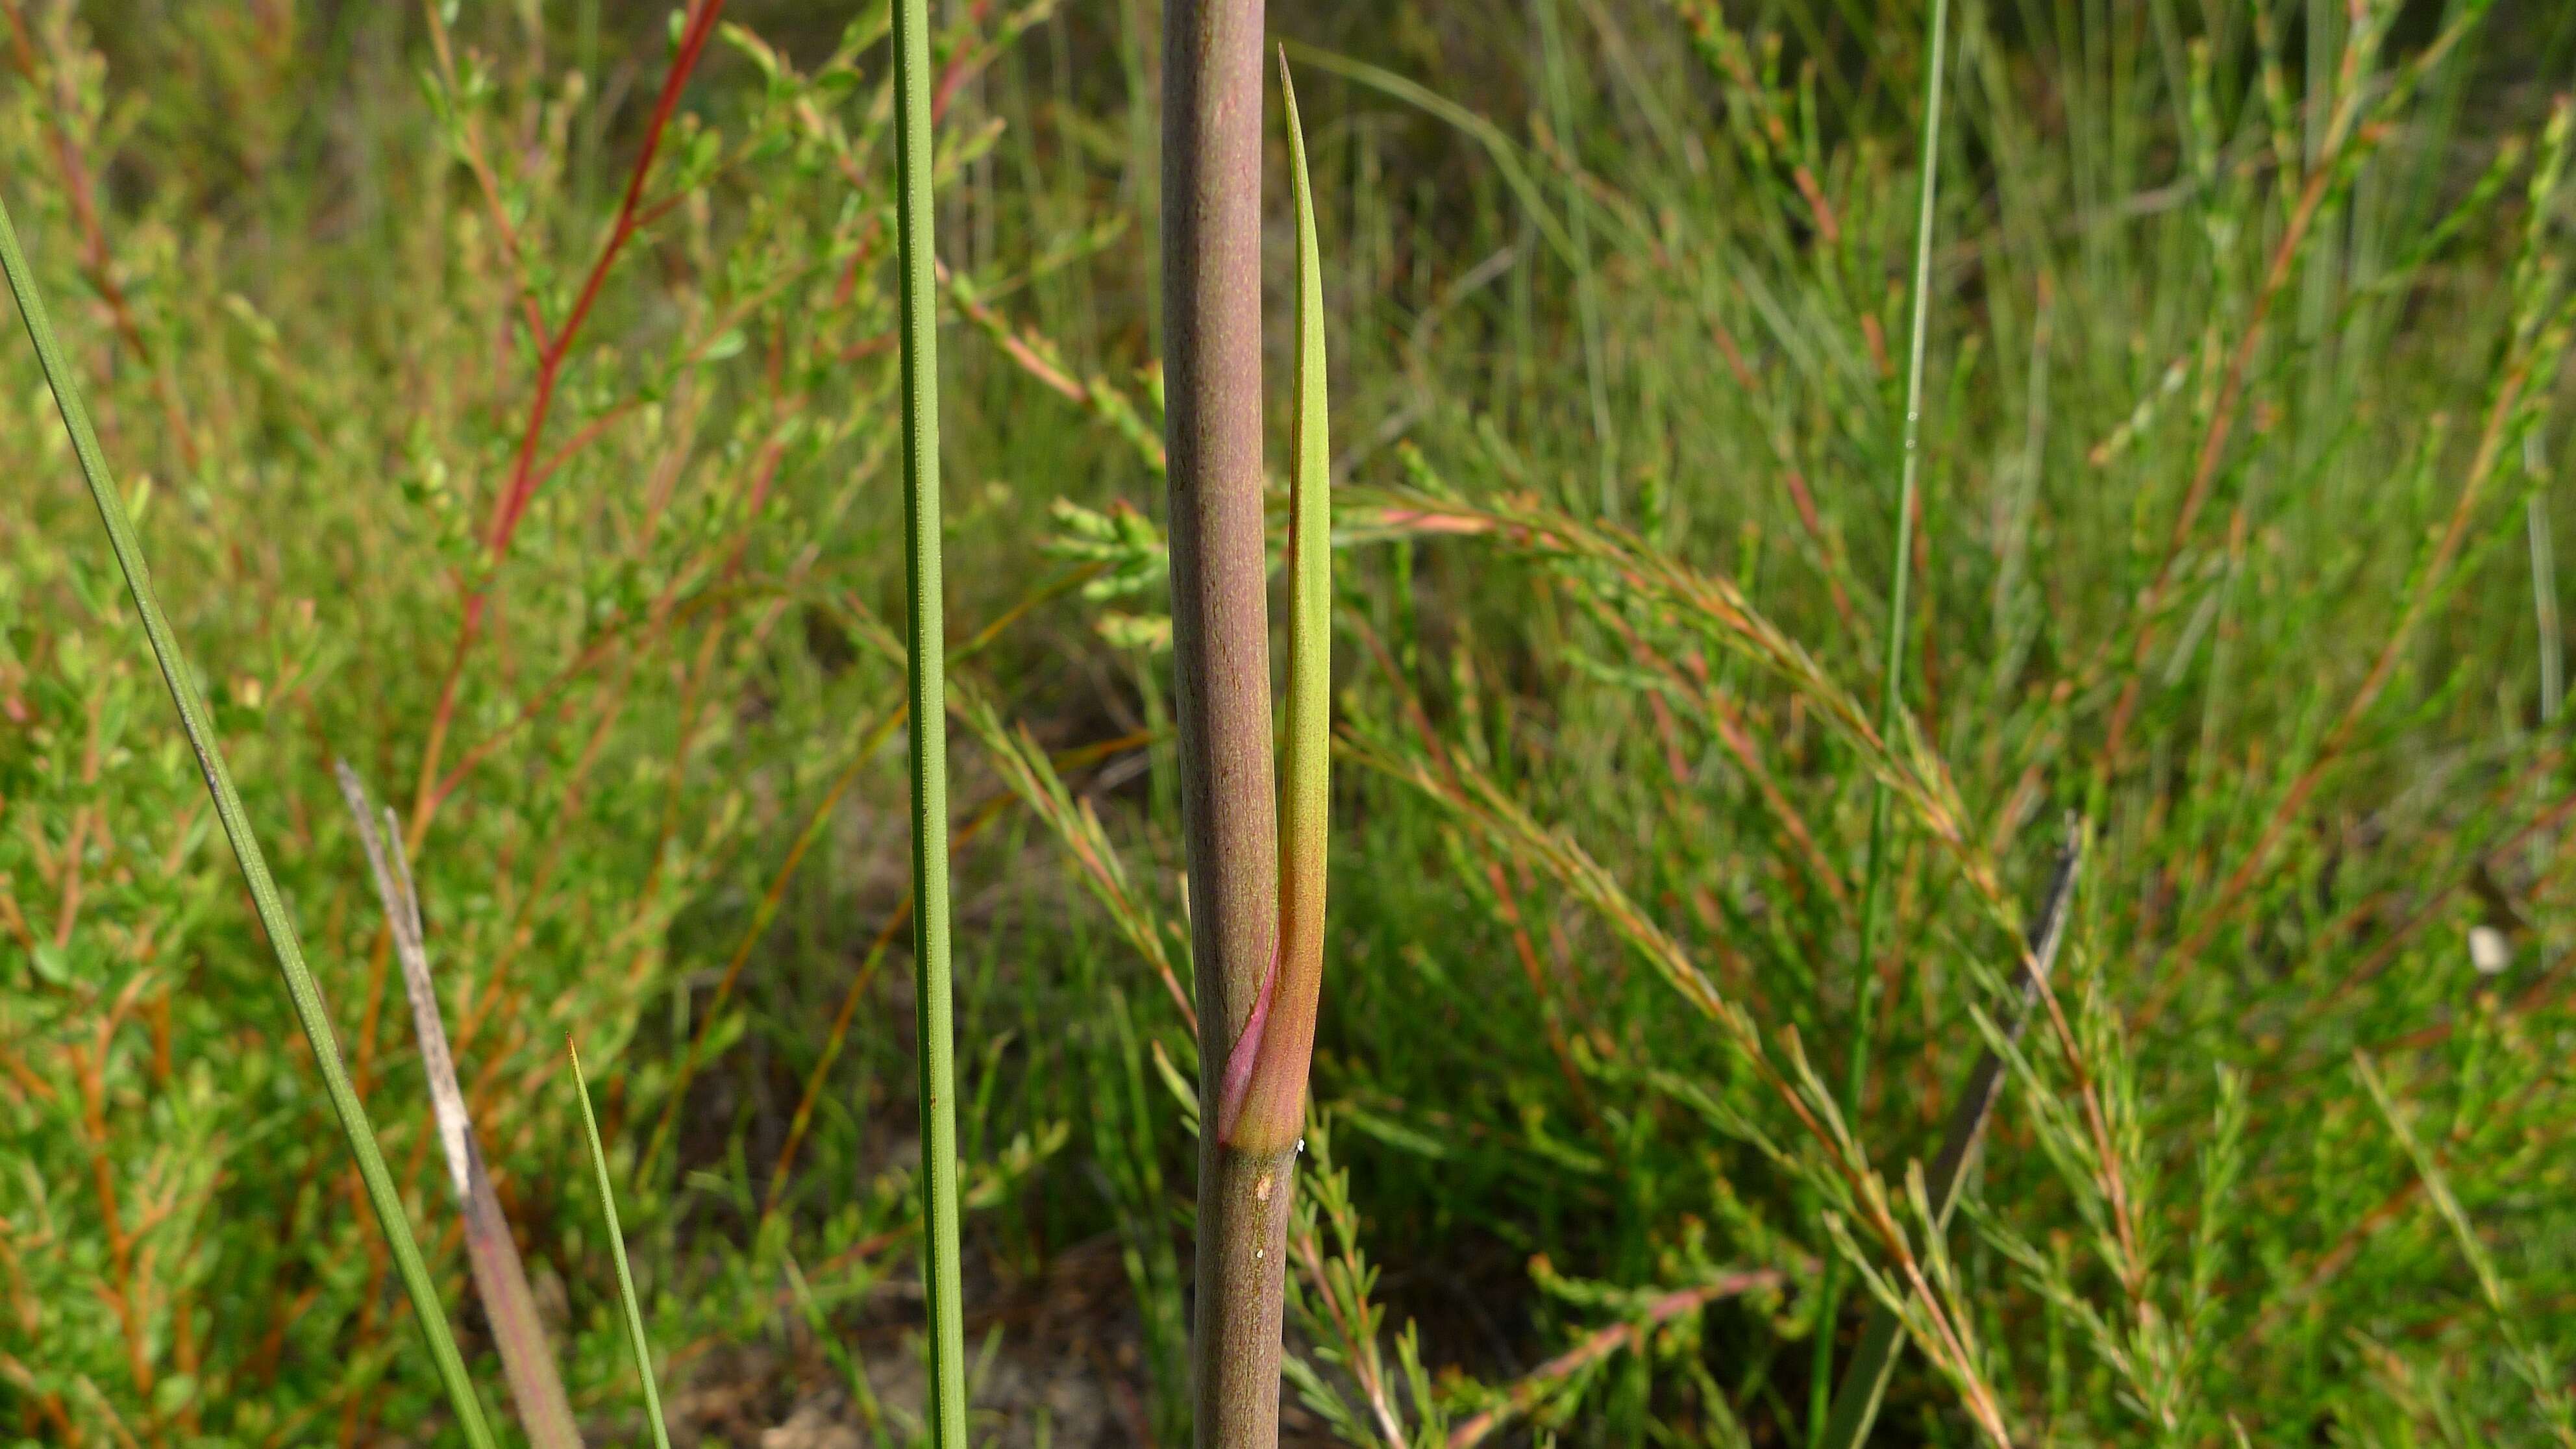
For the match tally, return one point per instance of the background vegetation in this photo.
(2248, 390)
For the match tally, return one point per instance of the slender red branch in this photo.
(555, 349)
(514, 502)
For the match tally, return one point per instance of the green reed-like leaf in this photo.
(928, 675)
(198, 723)
(1891, 689)
(635, 1337)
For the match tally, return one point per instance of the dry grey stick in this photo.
(1865, 1382)
(499, 1277)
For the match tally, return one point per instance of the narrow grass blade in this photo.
(1865, 1381)
(301, 988)
(500, 1279)
(1505, 153)
(635, 1338)
(1264, 1106)
(920, 328)
(1891, 690)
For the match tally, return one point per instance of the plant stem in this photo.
(929, 693)
(301, 989)
(1211, 247)
(1892, 677)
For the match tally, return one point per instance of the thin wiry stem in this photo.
(1892, 678)
(929, 692)
(194, 719)
(554, 352)
(2544, 590)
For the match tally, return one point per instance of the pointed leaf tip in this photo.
(1262, 1105)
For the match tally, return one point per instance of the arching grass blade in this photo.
(198, 723)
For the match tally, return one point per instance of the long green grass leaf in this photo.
(306, 994)
(1891, 689)
(1506, 154)
(635, 1336)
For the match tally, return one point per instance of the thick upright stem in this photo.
(1212, 90)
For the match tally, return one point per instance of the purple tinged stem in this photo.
(1211, 246)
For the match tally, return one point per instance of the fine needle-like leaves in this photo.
(634, 1311)
(198, 723)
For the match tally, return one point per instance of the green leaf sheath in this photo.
(928, 684)
(194, 719)
(1265, 1088)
